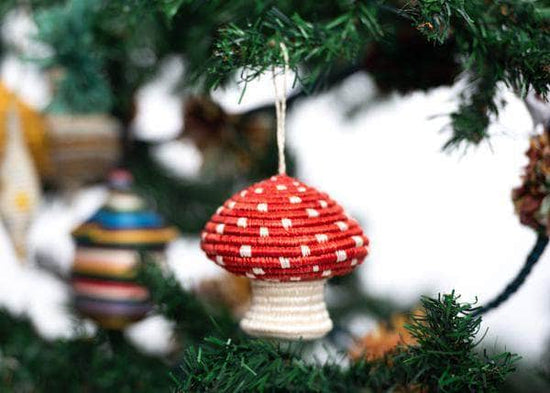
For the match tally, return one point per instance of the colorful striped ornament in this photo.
(289, 239)
(105, 265)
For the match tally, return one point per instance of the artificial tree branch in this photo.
(486, 42)
(445, 360)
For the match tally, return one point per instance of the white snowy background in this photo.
(437, 220)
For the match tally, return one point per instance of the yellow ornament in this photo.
(20, 190)
(33, 126)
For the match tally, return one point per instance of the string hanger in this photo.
(280, 109)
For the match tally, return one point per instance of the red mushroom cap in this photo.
(283, 230)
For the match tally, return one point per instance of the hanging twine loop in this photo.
(280, 109)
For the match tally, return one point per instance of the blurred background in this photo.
(437, 219)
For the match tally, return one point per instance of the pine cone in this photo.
(531, 198)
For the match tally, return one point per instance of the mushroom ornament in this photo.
(288, 238)
(107, 245)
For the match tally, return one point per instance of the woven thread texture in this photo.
(287, 310)
(20, 191)
(283, 230)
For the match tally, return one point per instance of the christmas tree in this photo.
(105, 78)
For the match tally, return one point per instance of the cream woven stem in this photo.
(287, 310)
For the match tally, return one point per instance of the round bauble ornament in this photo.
(107, 254)
(288, 238)
(32, 126)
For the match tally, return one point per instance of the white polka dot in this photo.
(241, 222)
(203, 235)
(296, 183)
(295, 199)
(250, 275)
(262, 207)
(305, 251)
(321, 238)
(286, 222)
(312, 213)
(245, 251)
(220, 228)
(258, 271)
(342, 225)
(358, 240)
(354, 262)
(219, 260)
(295, 278)
(285, 262)
(264, 232)
(323, 203)
(273, 178)
(341, 256)
(259, 190)
(219, 210)
(281, 187)
(243, 193)
(231, 204)
(301, 189)
(326, 273)
(316, 268)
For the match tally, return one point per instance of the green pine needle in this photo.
(444, 360)
(506, 39)
(193, 319)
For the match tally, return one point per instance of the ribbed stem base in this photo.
(287, 310)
